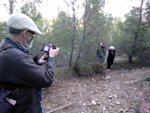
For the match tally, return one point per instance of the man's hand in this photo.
(41, 60)
(53, 52)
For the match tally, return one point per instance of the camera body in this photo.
(47, 47)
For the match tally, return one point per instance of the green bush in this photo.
(97, 68)
(147, 79)
(89, 69)
(85, 70)
(64, 72)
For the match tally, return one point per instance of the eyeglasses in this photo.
(34, 35)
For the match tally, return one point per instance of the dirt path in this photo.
(120, 91)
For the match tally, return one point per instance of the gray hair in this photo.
(14, 31)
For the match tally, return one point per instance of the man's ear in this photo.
(25, 32)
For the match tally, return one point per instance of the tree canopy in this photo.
(78, 38)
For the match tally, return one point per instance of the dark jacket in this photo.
(19, 71)
(111, 54)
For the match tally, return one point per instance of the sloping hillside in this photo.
(124, 89)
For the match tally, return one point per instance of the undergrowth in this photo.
(98, 68)
(84, 70)
(147, 79)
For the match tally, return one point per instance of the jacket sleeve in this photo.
(25, 72)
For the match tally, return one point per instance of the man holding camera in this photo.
(20, 76)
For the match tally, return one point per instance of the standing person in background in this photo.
(104, 51)
(101, 52)
(20, 77)
(110, 57)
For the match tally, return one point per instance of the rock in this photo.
(111, 105)
(122, 75)
(98, 103)
(93, 102)
(84, 85)
(118, 103)
(110, 97)
(121, 111)
(126, 82)
(115, 95)
(107, 77)
(84, 104)
(80, 102)
(126, 110)
(104, 108)
(68, 98)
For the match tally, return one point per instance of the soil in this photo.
(121, 90)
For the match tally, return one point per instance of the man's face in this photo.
(28, 40)
(104, 45)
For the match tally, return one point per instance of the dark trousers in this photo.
(110, 61)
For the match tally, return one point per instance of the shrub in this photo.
(89, 69)
(97, 68)
(147, 79)
(85, 70)
(64, 72)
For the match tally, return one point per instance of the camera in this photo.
(47, 47)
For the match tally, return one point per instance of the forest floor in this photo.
(124, 89)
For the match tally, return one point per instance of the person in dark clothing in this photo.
(110, 57)
(101, 52)
(20, 76)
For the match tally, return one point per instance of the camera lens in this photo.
(54, 47)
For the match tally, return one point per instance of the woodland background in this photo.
(78, 39)
(124, 89)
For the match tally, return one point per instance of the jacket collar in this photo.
(17, 45)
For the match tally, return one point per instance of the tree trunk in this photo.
(73, 32)
(83, 37)
(137, 30)
(11, 6)
(130, 59)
